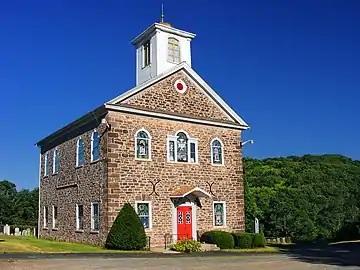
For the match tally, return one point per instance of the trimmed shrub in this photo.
(224, 240)
(243, 240)
(187, 246)
(259, 240)
(127, 231)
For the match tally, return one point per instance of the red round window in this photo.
(180, 86)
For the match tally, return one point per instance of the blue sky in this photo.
(289, 68)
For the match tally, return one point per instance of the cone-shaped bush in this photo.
(259, 240)
(127, 231)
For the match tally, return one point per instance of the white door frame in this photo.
(174, 218)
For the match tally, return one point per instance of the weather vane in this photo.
(162, 12)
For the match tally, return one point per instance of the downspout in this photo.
(39, 215)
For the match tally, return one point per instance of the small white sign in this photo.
(257, 226)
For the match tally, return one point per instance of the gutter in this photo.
(73, 125)
(39, 201)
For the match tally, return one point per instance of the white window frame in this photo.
(144, 65)
(213, 216)
(168, 52)
(222, 152)
(92, 216)
(46, 164)
(190, 140)
(77, 151)
(54, 157)
(77, 218)
(150, 212)
(149, 143)
(45, 221)
(53, 216)
(92, 145)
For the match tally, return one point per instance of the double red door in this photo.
(184, 222)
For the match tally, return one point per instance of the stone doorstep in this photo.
(161, 249)
(209, 247)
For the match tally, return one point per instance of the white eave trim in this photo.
(198, 80)
(144, 85)
(164, 28)
(212, 93)
(194, 190)
(172, 117)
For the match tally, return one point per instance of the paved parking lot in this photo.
(269, 262)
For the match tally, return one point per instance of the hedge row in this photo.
(226, 240)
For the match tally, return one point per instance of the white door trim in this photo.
(174, 219)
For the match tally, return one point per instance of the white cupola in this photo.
(159, 48)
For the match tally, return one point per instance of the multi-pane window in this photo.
(146, 53)
(171, 150)
(55, 216)
(219, 213)
(173, 50)
(46, 164)
(46, 216)
(80, 152)
(181, 148)
(95, 216)
(143, 209)
(95, 146)
(192, 152)
(217, 149)
(143, 144)
(79, 217)
(56, 161)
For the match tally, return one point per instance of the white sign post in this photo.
(257, 226)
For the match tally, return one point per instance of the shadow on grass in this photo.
(341, 254)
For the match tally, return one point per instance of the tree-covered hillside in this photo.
(18, 207)
(306, 198)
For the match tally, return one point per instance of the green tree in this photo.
(306, 197)
(7, 195)
(18, 208)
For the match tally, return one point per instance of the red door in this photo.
(184, 222)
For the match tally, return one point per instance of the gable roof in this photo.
(196, 77)
(100, 111)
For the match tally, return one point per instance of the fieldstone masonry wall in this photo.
(75, 185)
(162, 96)
(129, 179)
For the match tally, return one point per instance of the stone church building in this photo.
(170, 146)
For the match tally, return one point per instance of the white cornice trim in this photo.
(215, 96)
(172, 117)
(158, 26)
(197, 79)
(205, 194)
(146, 84)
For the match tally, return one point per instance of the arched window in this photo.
(173, 50)
(142, 144)
(56, 161)
(80, 152)
(95, 146)
(46, 164)
(217, 152)
(182, 148)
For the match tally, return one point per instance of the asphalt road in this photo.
(294, 257)
(269, 262)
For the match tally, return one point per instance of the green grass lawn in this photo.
(259, 250)
(21, 244)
